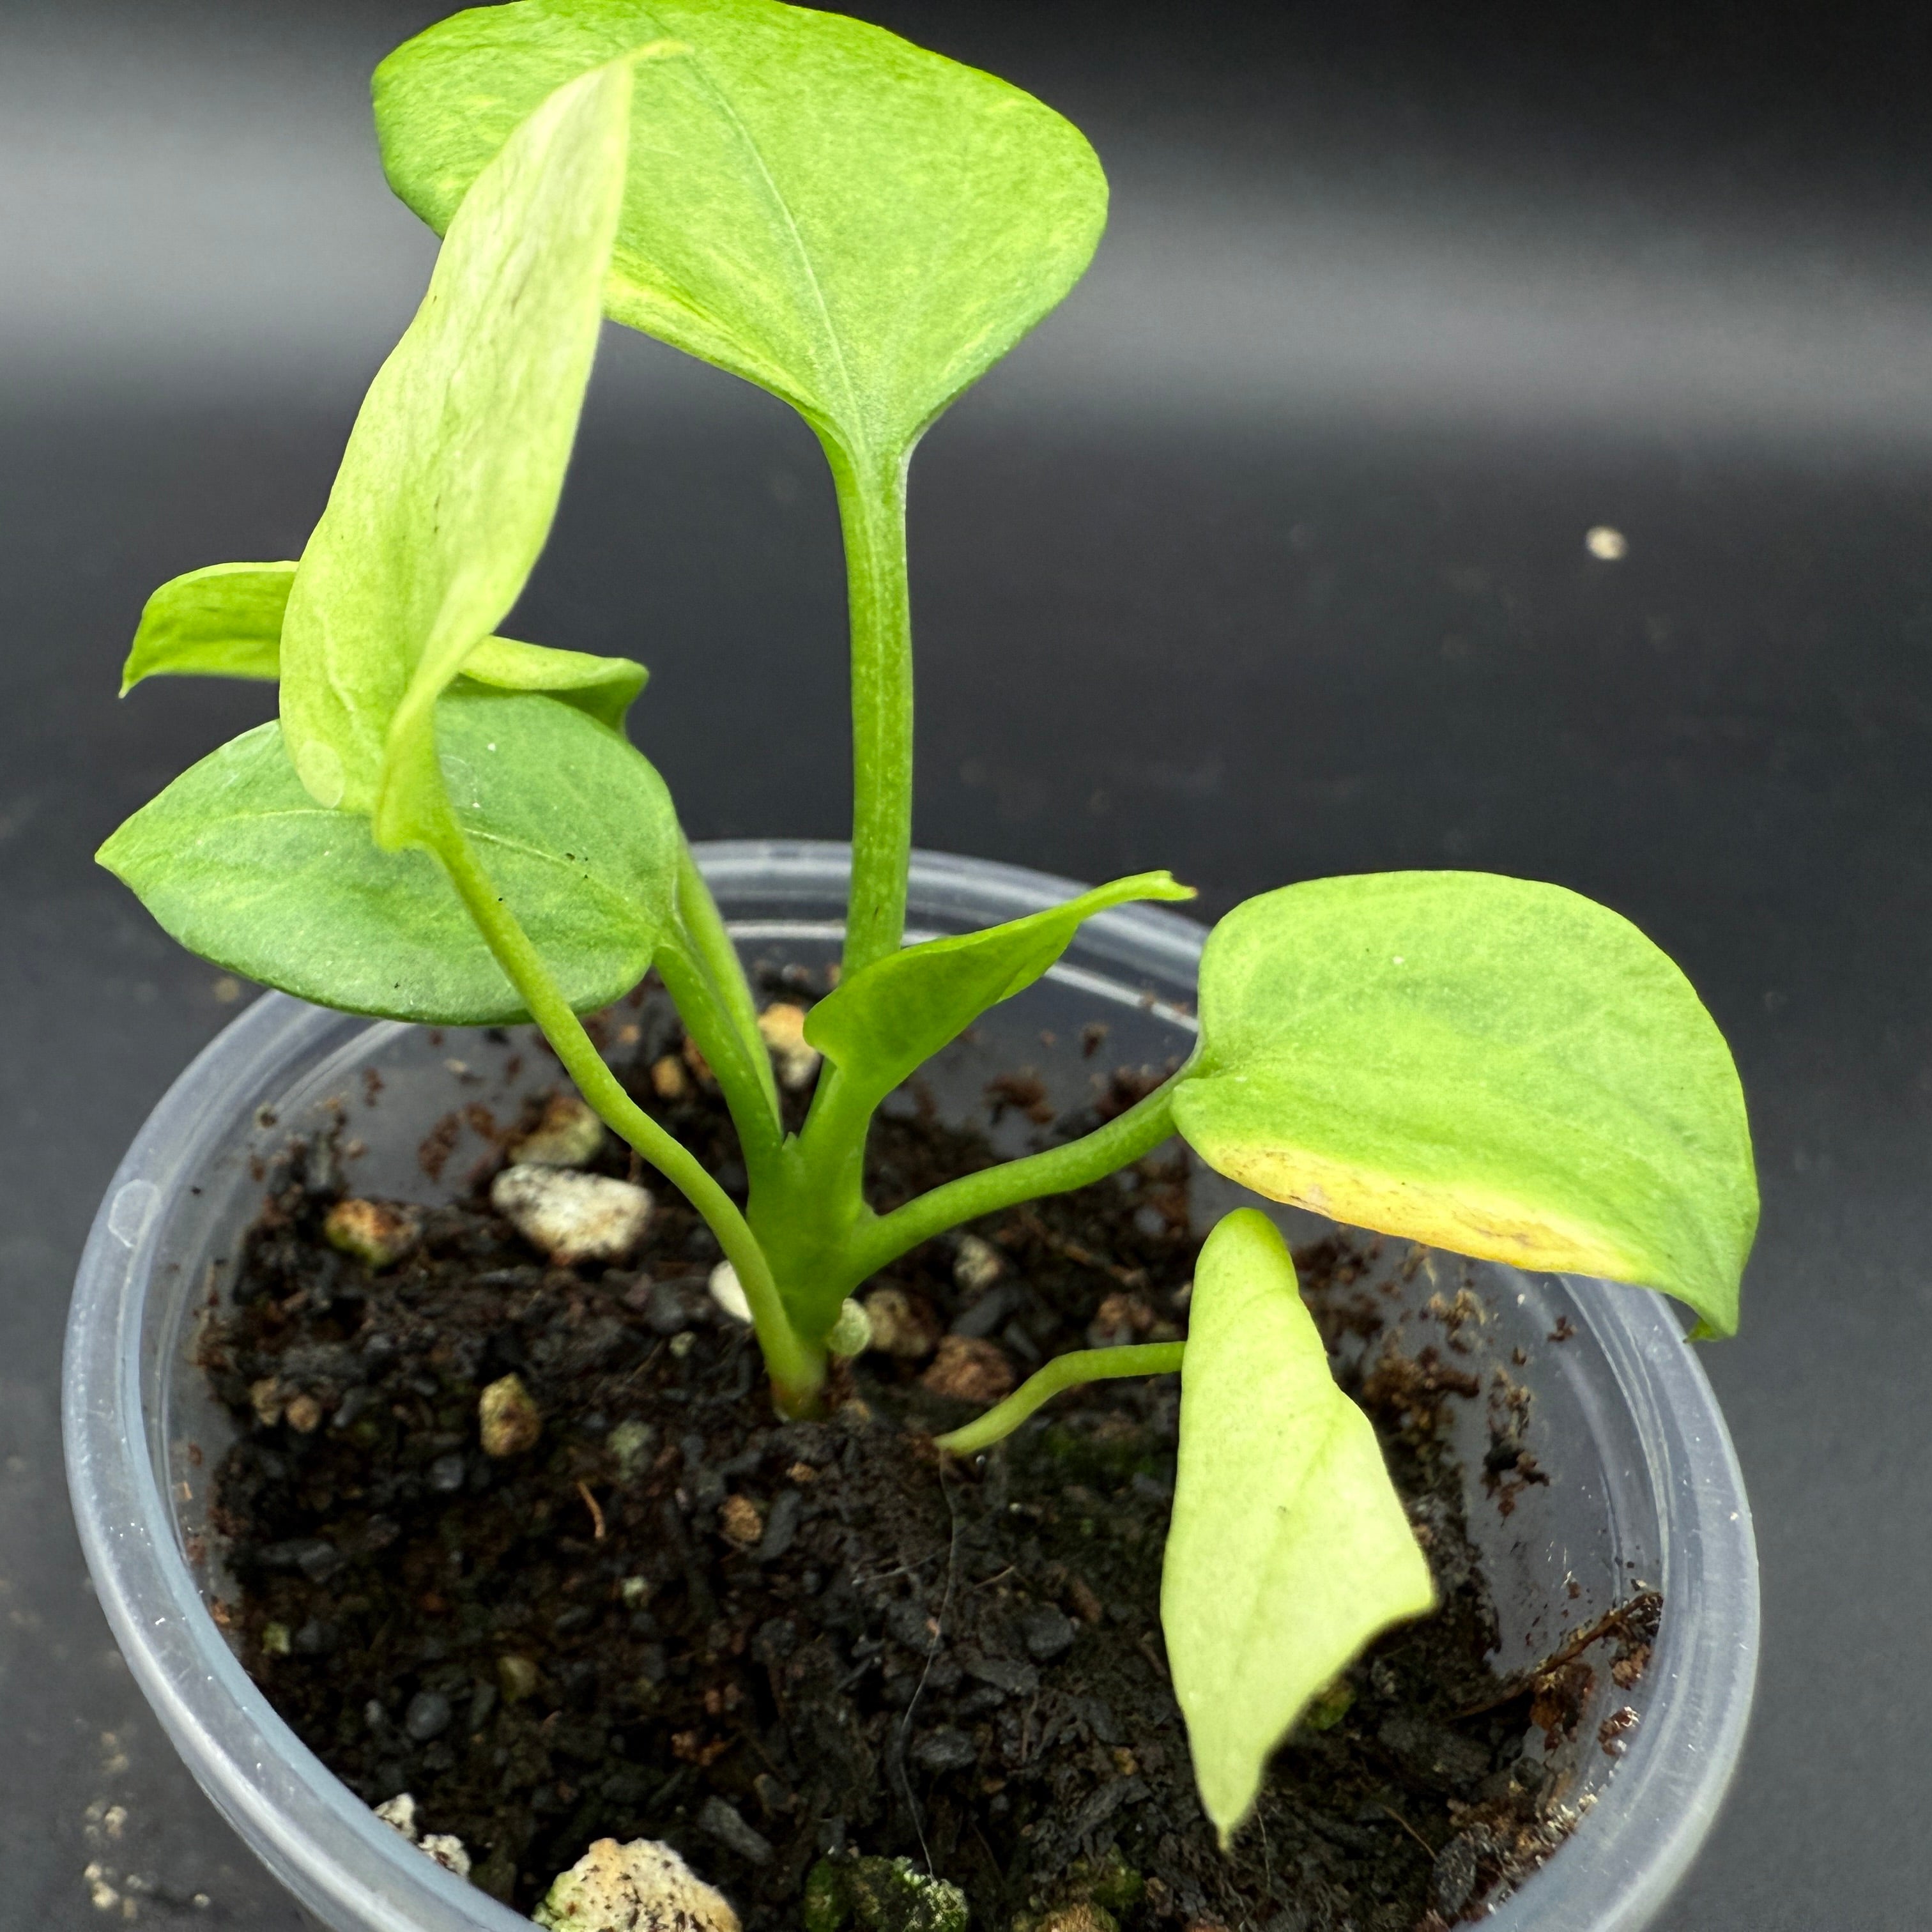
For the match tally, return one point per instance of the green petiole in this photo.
(1064, 1373)
(1059, 1170)
(710, 946)
(797, 1368)
(871, 513)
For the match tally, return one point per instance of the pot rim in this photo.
(1612, 1875)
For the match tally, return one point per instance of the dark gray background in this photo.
(1264, 560)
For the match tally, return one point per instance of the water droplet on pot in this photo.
(133, 1206)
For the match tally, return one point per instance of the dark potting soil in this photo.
(778, 1644)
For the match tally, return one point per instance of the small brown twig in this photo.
(1612, 1623)
(596, 1514)
(1395, 1817)
(1080, 1257)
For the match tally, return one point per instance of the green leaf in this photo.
(1289, 1549)
(858, 225)
(225, 621)
(1485, 1064)
(242, 866)
(603, 689)
(450, 479)
(222, 621)
(880, 1024)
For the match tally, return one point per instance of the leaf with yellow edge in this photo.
(1289, 1549)
(1485, 1064)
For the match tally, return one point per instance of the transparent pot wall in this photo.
(1642, 1487)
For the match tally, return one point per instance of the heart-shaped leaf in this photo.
(225, 621)
(1485, 1064)
(240, 865)
(452, 473)
(858, 225)
(880, 1024)
(1288, 1549)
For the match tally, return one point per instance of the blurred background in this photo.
(1269, 556)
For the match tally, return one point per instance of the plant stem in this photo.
(797, 1369)
(711, 943)
(1063, 1371)
(694, 994)
(1126, 1137)
(832, 1143)
(872, 514)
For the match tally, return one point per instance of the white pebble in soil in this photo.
(641, 1887)
(851, 1333)
(728, 1291)
(569, 1135)
(448, 1850)
(507, 1420)
(572, 1217)
(399, 1813)
(978, 1265)
(782, 1027)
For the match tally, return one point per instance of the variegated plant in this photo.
(448, 826)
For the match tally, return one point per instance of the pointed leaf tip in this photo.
(884, 1021)
(1289, 1549)
(452, 474)
(224, 621)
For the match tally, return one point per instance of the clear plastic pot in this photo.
(1643, 1485)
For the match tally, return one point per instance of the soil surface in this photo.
(785, 1648)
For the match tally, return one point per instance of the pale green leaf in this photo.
(225, 621)
(450, 479)
(881, 1023)
(1288, 1550)
(604, 687)
(242, 866)
(1485, 1064)
(856, 224)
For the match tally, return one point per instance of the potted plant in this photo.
(449, 828)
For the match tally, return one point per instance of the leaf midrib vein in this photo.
(501, 841)
(722, 101)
